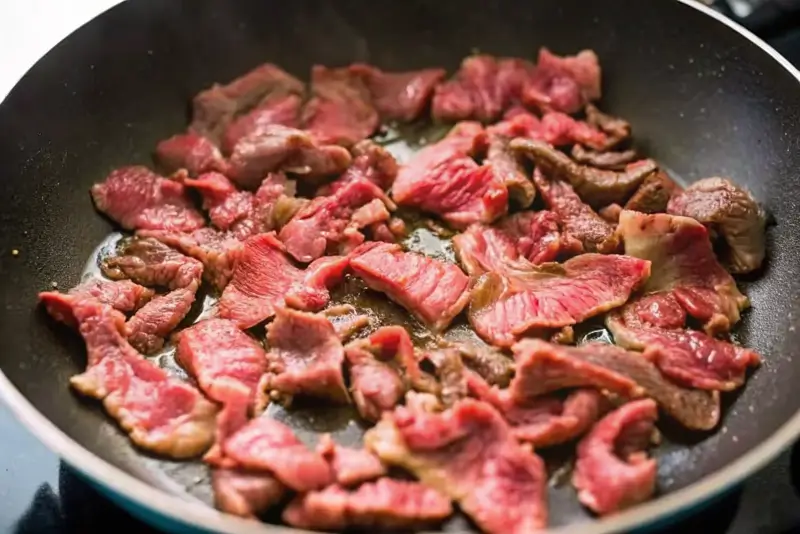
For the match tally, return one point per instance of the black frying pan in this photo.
(705, 98)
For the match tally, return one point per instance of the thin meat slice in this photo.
(136, 198)
(612, 471)
(531, 236)
(264, 279)
(504, 307)
(613, 161)
(333, 222)
(510, 170)
(305, 356)
(654, 194)
(149, 262)
(375, 386)
(469, 454)
(442, 178)
(340, 111)
(281, 109)
(385, 504)
(582, 226)
(473, 94)
(123, 296)
(161, 414)
(565, 83)
(400, 96)
(545, 367)
(214, 108)
(217, 251)
(432, 290)
(730, 211)
(149, 326)
(265, 444)
(555, 128)
(190, 151)
(245, 493)
(350, 466)
(617, 129)
(280, 148)
(493, 366)
(546, 420)
(371, 162)
(597, 187)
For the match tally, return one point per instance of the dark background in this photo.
(39, 494)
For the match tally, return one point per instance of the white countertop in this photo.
(29, 28)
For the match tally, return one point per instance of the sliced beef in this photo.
(265, 444)
(375, 385)
(613, 161)
(432, 290)
(489, 363)
(582, 226)
(161, 414)
(525, 236)
(442, 178)
(563, 83)
(508, 167)
(217, 251)
(385, 504)
(264, 279)
(612, 471)
(543, 421)
(136, 198)
(123, 296)
(504, 307)
(149, 262)
(190, 151)
(617, 129)
(733, 213)
(350, 466)
(597, 187)
(469, 454)
(450, 373)
(340, 111)
(544, 367)
(400, 96)
(149, 326)
(371, 162)
(654, 194)
(332, 223)
(555, 128)
(280, 148)
(283, 109)
(474, 93)
(305, 356)
(214, 108)
(245, 493)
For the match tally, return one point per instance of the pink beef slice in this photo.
(432, 290)
(123, 296)
(543, 368)
(280, 148)
(264, 279)
(525, 236)
(162, 415)
(546, 420)
(375, 386)
(149, 262)
(469, 454)
(245, 493)
(149, 326)
(565, 83)
(214, 108)
(340, 111)
(442, 178)
(351, 467)
(136, 198)
(612, 471)
(385, 504)
(281, 109)
(687, 281)
(242, 212)
(305, 356)
(509, 168)
(555, 128)
(400, 96)
(330, 222)
(217, 251)
(531, 299)
(371, 162)
(265, 444)
(190, 151)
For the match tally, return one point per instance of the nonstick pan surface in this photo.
(705, 98)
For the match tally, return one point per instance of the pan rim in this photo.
(205, 518)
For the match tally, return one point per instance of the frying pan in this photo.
(705, 97)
